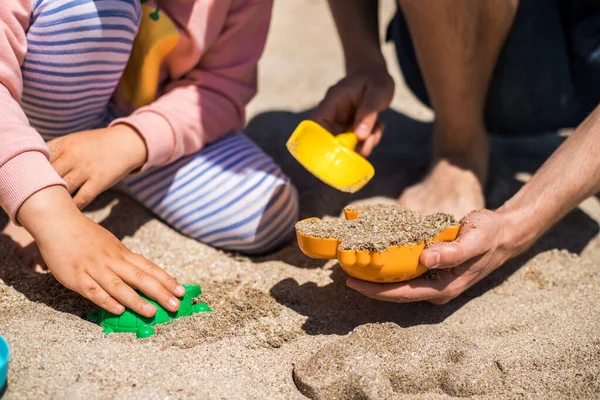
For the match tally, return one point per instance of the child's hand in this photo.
(93, 161)
(88, 259)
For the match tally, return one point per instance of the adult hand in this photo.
(483, 245)
(91, 162)
(353, 104)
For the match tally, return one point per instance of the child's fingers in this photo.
(55, 149)
(150, 286)
(74, 181)
(62, 165)
(86, 194)
(123, 293)
(157, 272)
(90, 289)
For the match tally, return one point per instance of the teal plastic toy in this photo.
(4, 356)
(130, 321)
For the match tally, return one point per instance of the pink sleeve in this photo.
(24, 165)
(210, 102)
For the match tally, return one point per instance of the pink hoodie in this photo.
(197, 79)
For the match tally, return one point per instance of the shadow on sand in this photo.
(400, 160)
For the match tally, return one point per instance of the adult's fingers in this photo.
(367, 112)
(373, 140)
(469, 244)
(157, 272)
(337, 109)
(89, 288)
(436, 291)
(327, 112)
(123, 293)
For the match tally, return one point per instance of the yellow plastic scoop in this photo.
(330, 158)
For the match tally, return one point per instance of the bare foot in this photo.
(448, 189)
(28, 249)
(455, 183)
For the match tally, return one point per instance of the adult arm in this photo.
(490, 238)
(353, 104)
(357, 23)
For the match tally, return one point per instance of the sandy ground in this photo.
(285, 326)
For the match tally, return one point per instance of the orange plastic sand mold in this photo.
(395, 264)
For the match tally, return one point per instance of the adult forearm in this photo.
(568, 177)
(357, 22)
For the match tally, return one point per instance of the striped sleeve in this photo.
(24, 165)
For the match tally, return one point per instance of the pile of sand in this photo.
(377, 227)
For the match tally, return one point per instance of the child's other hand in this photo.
(91, 162)
(88, 259)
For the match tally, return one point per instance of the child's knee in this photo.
(280, 218)
(275, 224)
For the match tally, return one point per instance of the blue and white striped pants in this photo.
(230, 194)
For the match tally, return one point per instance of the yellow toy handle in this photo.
(348, 140)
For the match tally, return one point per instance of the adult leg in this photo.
(584, 42)
(457, 43)
(230, 195)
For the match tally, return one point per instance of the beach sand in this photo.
(285, 326)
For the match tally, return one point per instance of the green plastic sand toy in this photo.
(142, 326)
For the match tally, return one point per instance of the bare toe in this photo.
(448, 189)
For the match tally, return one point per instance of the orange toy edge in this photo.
(327, 248)
(317, 247)
(377, 258)
(351, 214)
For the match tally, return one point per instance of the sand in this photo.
(377, 227)
(527, 343)
(285, 326)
